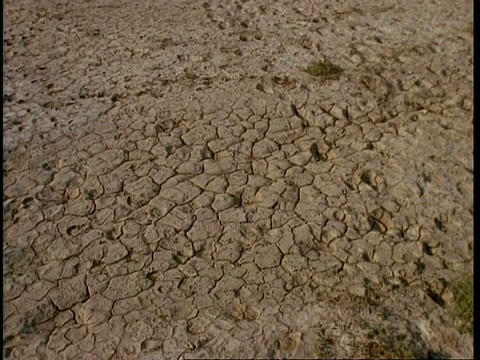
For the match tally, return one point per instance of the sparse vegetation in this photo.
(470, 29)
(463, 306)
(325, 349)
(324, 69)
(315, 153)
(90, 195)
(385, 345)
(261, 230)
(382, 343)
(381, 338)
(28, 326)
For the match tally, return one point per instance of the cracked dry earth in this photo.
(177, 186)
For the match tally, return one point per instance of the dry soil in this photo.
(176, 185)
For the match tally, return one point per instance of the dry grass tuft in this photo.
(324, 69)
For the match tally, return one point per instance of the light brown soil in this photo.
(177, 185)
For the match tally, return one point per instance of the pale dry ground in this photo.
(162, 198)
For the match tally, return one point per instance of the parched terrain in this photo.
(237, 179)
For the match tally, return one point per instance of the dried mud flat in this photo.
(177, 185)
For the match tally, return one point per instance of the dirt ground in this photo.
(177, 184)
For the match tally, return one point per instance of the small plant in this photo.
(109, 234)
(387, 344)
(315, 153)
(90, 195)
(463, 306)
(261, 229)
(325, 349)
(28, 326)
(206, 154)
(377, 350)
(237, 200)
(470, 29)
(324, 69)
(169, 149)
(46, 166)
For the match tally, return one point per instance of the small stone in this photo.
(337, 112)
(448, 296)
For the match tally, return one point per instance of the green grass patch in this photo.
(463, 306)
(324, 69)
